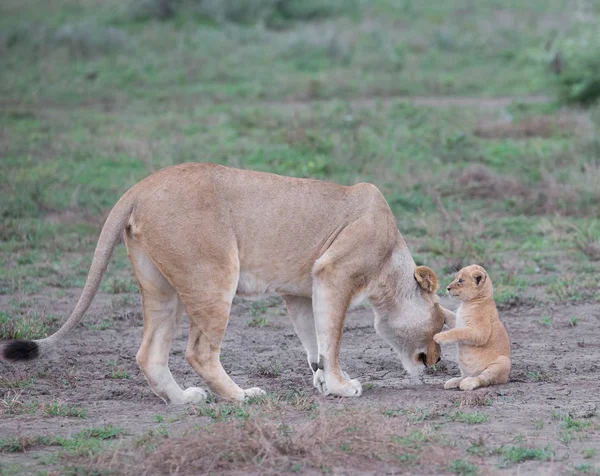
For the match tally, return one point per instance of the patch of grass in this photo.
(573, 321)
(469, 418)
(518, 454)
(259, 322)
(586, 468)
(221, 412)
(459, 466)
(588, 453)
(86, 442)
(540, 376)
(119, 374)
(546, 320)
(270, 371)
(57, 408)
(30, 325)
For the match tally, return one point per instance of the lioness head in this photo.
(420, 317)
(471, 282)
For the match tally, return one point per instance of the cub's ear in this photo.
(479, 277)
(427, 279)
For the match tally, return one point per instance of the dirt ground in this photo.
(554, 376)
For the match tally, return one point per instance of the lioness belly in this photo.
(253, 284)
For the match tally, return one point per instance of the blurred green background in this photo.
(477, 119)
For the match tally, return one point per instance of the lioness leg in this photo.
(329, 307)
(207, 296)
(495, 373)
(301, 314)
(162, 313)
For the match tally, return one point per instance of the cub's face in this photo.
(471, 282)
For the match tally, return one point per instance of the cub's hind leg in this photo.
(162, 314)
(453, 383)
(495, 373)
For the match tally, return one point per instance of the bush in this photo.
(576, 64)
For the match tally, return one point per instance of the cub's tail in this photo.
(16, 350)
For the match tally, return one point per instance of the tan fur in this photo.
(198, 234)
(483, 344)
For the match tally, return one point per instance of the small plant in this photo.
(57, 408)
(469, 418)
(585, 468)
(518, 454)
(538, 424)
(573, 321)
(588, 453)
(259, 322)
(222, 412)
(158, 418)
(540, 376)
(459, 466)
(269, 371)
(546, 321)
(119, 374)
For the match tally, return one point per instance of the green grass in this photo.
(119, 374)
(86, 442)
(459, 466)
(518, 454)
(469, 418)
(57, 408)
(92, 104)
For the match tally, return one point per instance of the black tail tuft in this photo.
(16, 350)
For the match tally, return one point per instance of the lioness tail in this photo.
(16, 350)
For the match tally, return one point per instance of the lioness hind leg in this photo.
(208, 321)
(495, 373)
(301, 314)
(208, 304)
(162, 314)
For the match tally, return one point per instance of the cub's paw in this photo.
(452, 383)
(470, 383)
(253, 392)
(441, 338)
(194, 395)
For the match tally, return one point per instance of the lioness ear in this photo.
(427, 279)
(479, 277)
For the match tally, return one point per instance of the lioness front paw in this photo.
(347, 388)
(253, 392)
(194, 395)
(319, 381)
(341, 388)
(470, 383)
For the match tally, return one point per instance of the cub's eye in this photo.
(460, 280)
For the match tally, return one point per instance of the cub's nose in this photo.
(423, 358)
(439, 358)
(448, 288)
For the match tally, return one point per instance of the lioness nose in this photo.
(423, 358)
(439, 358)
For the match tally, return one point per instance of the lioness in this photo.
(198, 234)
(483, 344)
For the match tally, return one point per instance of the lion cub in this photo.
(483, 345)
